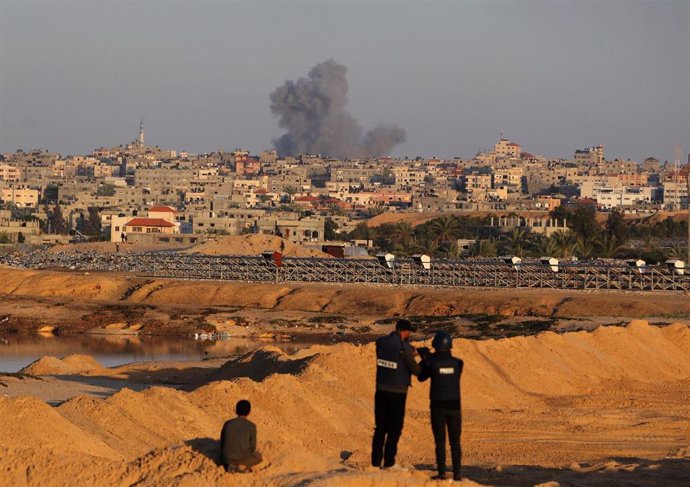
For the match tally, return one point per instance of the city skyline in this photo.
(555, 77)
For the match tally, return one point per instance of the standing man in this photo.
(395, 362)
(444, 371)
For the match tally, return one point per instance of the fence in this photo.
(494, 273)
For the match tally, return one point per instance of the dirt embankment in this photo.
(547, 402)
(254, 245)
(121, 303)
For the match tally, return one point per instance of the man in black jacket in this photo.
(444, 371)
(395, 362)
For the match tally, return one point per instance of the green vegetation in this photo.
(585, 238)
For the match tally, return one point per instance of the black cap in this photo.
(404, 325)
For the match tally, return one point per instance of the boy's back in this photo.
(238, 440)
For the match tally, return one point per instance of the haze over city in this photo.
(555, 76)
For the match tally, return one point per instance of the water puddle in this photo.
(18, 351)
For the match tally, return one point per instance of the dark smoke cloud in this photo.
(312, 110)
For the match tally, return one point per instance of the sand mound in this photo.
(71, 364)
(549, 400)
(253, 245)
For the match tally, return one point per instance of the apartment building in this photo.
(589, 155)
(608, 198)
(505, 147)
(21, 196)
(10, 173)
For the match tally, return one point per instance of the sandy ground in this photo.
(253, 245)
(120, 303)
(218, 245)
(608, 407)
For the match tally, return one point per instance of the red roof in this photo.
(513, 144)
(149, 222)
(159, 209)
(306, 198)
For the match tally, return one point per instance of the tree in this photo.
(4, 238)
(584, 247)
(584, 222)
(56, 222)
(444, 228)
(291, 191)
(484, 248)
(545, 247)
(50, 194)
(516, 241)
(564, 242)
(330, 229)
(560, 213)
(678, 251)
(402, 238)
(363, 232)
(609, 246)
(428, 247)
(106, 189)
(616, 226)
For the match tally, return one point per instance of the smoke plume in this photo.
(312, 110)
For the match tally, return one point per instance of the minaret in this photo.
(140, 140)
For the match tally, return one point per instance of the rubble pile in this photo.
(73, 260)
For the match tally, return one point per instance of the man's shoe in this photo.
(395, 468)
(440, 476)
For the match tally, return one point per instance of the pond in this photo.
(18, 351)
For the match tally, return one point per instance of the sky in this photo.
(553, 75)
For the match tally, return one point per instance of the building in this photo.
(590, 155)
(505, 147)
(148, 225)
(622, 196)
(21, 196)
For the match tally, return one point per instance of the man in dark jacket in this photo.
(444, 371)
(238, 440)
(395, 362)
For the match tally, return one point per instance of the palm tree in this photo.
(445, 228)
(403, 236)
(484, 248)
(678, 251)
(428, 247)
(564, 243)
(584, 247)
(291, 191)
(545, 247)
(515, 241)
(609, 246)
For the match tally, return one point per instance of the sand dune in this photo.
(553, 401)
(253, 245)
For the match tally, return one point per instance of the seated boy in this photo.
(238, 440)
